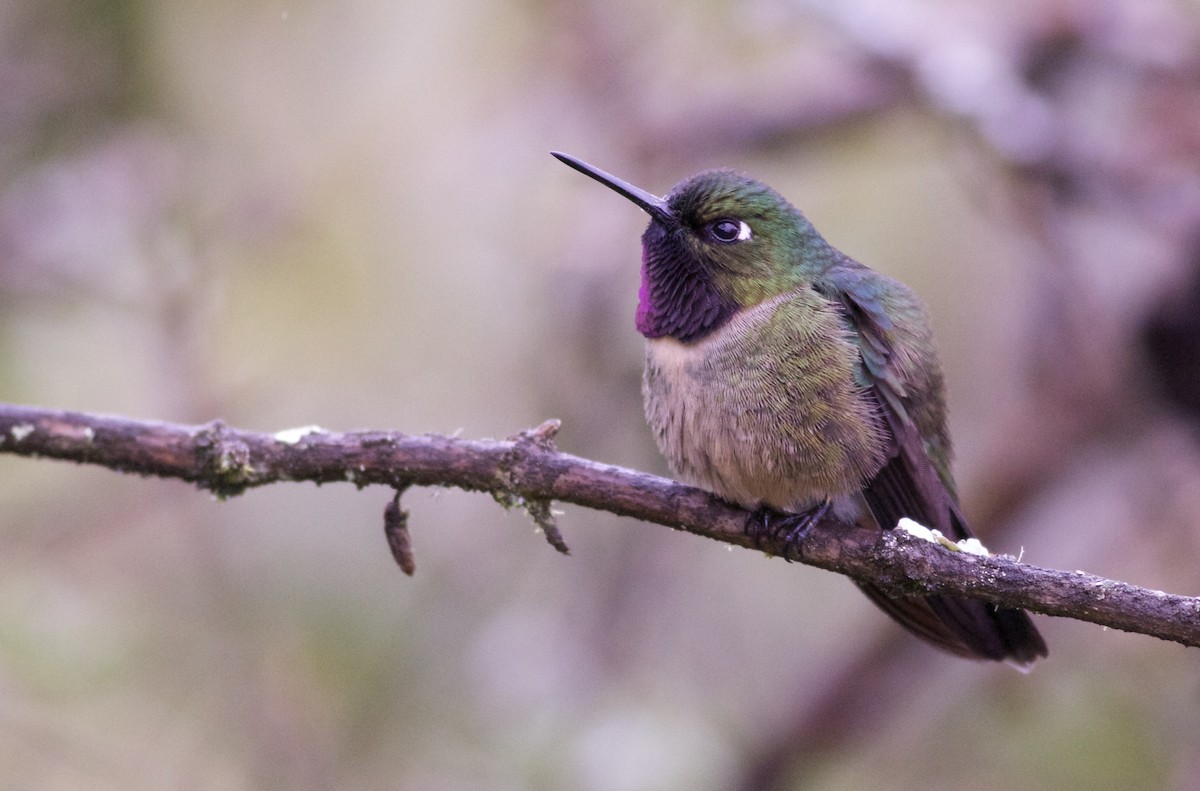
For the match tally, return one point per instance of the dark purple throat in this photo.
(678, 298)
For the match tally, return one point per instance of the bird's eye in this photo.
(728, 231)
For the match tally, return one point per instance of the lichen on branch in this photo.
(527, 470)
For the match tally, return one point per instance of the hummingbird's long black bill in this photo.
(653, 205)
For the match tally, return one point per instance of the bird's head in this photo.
(717, 243)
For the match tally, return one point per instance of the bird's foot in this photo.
(759, 525)
(764, 523)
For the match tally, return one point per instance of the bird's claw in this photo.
(759, 525)
(766, 524)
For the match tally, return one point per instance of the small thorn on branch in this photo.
(541, 513)
(542, 436)
(507, 495)
(395, 528)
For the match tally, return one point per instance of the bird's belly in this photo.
(755, 426)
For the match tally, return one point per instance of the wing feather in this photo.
(910, 485)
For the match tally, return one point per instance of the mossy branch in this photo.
(527, 470)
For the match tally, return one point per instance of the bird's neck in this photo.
(678, 299)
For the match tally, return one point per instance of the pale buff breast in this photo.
(765, 411)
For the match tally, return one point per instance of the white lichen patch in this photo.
(916, 529)
(971, 546)
(21, 431)
(290, 436)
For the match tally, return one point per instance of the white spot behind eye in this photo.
(743, 231)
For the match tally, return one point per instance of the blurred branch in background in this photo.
(528, 471)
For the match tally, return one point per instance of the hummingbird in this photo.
(787, 378)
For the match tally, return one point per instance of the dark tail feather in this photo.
(965, 627)
(909, 486)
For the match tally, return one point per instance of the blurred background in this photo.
(286, 212)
